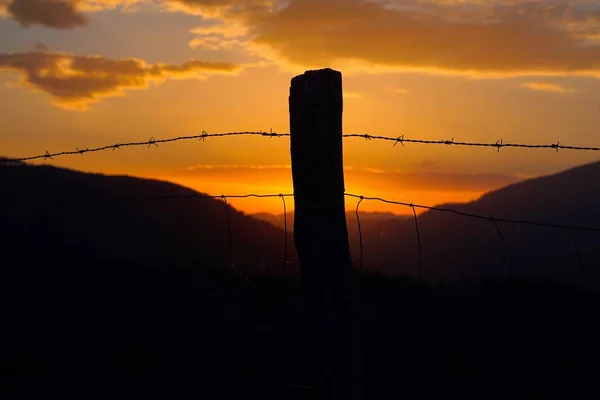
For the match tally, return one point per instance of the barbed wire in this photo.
(223, 197)
(494, 220)
(204, 135)
(171, 197)
(237, 271)
(361, 198)
(470, 215)
(149, 143)
(200, 197)
(498, 144)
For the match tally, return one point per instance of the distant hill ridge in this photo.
(196, 231)
(179, 231)
(366, 217)
(455, 246)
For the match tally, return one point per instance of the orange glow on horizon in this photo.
(185, 74)
(275, 205)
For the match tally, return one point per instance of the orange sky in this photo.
(94, 72)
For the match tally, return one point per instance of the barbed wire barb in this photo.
(271, 134)
(399, 139)
(557, 146)
(499, 144)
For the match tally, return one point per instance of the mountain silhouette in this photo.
(370, 222)
(121, 220)
(455, 247)
(103, 295)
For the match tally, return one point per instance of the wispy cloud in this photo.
(547, 87)
(75, 81)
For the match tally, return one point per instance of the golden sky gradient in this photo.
(93, 72)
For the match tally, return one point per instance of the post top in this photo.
(324, 72)
(314, 79)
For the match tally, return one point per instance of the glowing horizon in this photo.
(522, 71)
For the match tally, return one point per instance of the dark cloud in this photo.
(68, 14)
(74, 81)
(60, 14)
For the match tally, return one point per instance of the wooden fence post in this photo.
(320, 231)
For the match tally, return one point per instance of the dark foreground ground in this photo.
(83, 330)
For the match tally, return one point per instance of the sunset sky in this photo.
(94, 72)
